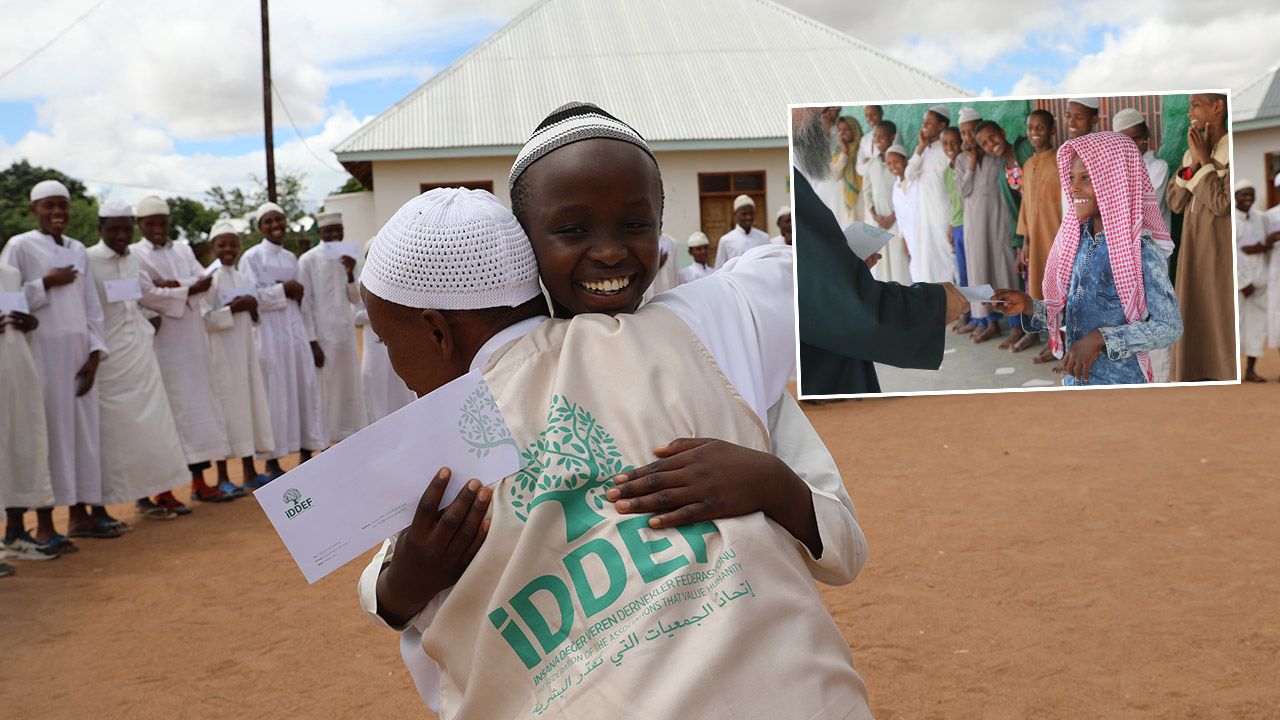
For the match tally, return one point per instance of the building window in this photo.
(716, 192)
(468, 184)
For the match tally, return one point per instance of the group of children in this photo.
(129, 368)
(971, 206)
(1257, 234)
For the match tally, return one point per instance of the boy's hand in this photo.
(349, 264)
(317, 354)
(23, 322)
(293, 290)
(1015, 302)
(1081, 354)
(1199, 144)
(155, 323)
(699, 479)
(86, 374)
(433, 552)
(166, 283)
(1247, 290)
(1023, 261)
(873, 259)
(244, 303)
(58, 277)
(201, 285)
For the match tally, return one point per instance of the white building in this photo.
(706, 82)
(1255, 125)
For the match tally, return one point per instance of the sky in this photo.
(136, 100)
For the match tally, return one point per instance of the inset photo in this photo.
(992, 244)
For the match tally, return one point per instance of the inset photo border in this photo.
(918, 224)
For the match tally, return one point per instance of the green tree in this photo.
(190, 218)
(16, 182)
(237, 203)
(570, 464)
(352, 185)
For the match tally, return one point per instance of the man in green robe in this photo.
(849, 320)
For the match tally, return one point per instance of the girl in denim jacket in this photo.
(1107, 296)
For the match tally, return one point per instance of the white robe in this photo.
(141, 453)
(237, 369)
(329, 307)
(736, 242)
(182, 348)
(284, 346)
(384, 391)
(1272, 225)
(878, 186)
(905, 201)
(932, 259)
(71, 327)
(24, 439)
(694, 271)
(1158, 171)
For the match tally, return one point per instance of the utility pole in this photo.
(266, 104)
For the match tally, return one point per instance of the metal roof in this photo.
(1257, 105)
(687, 74)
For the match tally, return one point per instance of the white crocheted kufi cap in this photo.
(969, 115)
(265, 208)
(570, 123)
(47, 189)
(743, 201)
(1126, 119)
(329, 218)
(784, 211)
(452, 249)
(152, 205)
(895, 150)
(699, 239)
(223, 227)
(115, 209)
(942, 110)
(1089, 102)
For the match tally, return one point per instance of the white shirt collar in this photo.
(504, 336)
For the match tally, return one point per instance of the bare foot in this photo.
(1015, 334)
(1028, 340)
(1046, 356)
(1253, 376)
(986, 333)
(1058, 370)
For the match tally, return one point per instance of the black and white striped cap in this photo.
(568, 124)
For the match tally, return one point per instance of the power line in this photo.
(53, 40)
(284, 106)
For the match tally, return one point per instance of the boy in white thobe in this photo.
(878, 189)
(69, 346)
(783, 219)
(284, 344)
(743, 236)
(932, 258)
(24, 443)
(173, 282)
(329, 307)
(1251, 264)
(700, 251)
(230, 310)
(141, 451)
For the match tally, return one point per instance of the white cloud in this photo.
(117, 93)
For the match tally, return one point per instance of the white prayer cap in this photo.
(896, 149)
(1276, 182)
(969, 115)
(570, 123)
(784, 211)
(329, 218)
(942, 110)
(1126, 119)
(699, 240)
(743, 201)
(223, 227)
(1089, 102)
(152, 205)
(265, 208)
(452, 249)
(115, 209)
(47, 189)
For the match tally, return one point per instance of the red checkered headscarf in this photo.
(1128, 206)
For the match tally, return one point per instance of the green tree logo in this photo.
(292, 496)
(571, 463)
(480, 423)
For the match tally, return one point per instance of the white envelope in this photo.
(979, 293)
(349, 498)
(122, 290)
(277, 274)
(11, 301)
(338, 249)
(866, 240)
(226, 296)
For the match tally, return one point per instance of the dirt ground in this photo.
(1074, 554)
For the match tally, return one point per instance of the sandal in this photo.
(153, 511)
(204, 493)
(62, 545)
(258, 482)
(231, 490)
(119, 525)
(101, 529)
(176, 506)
